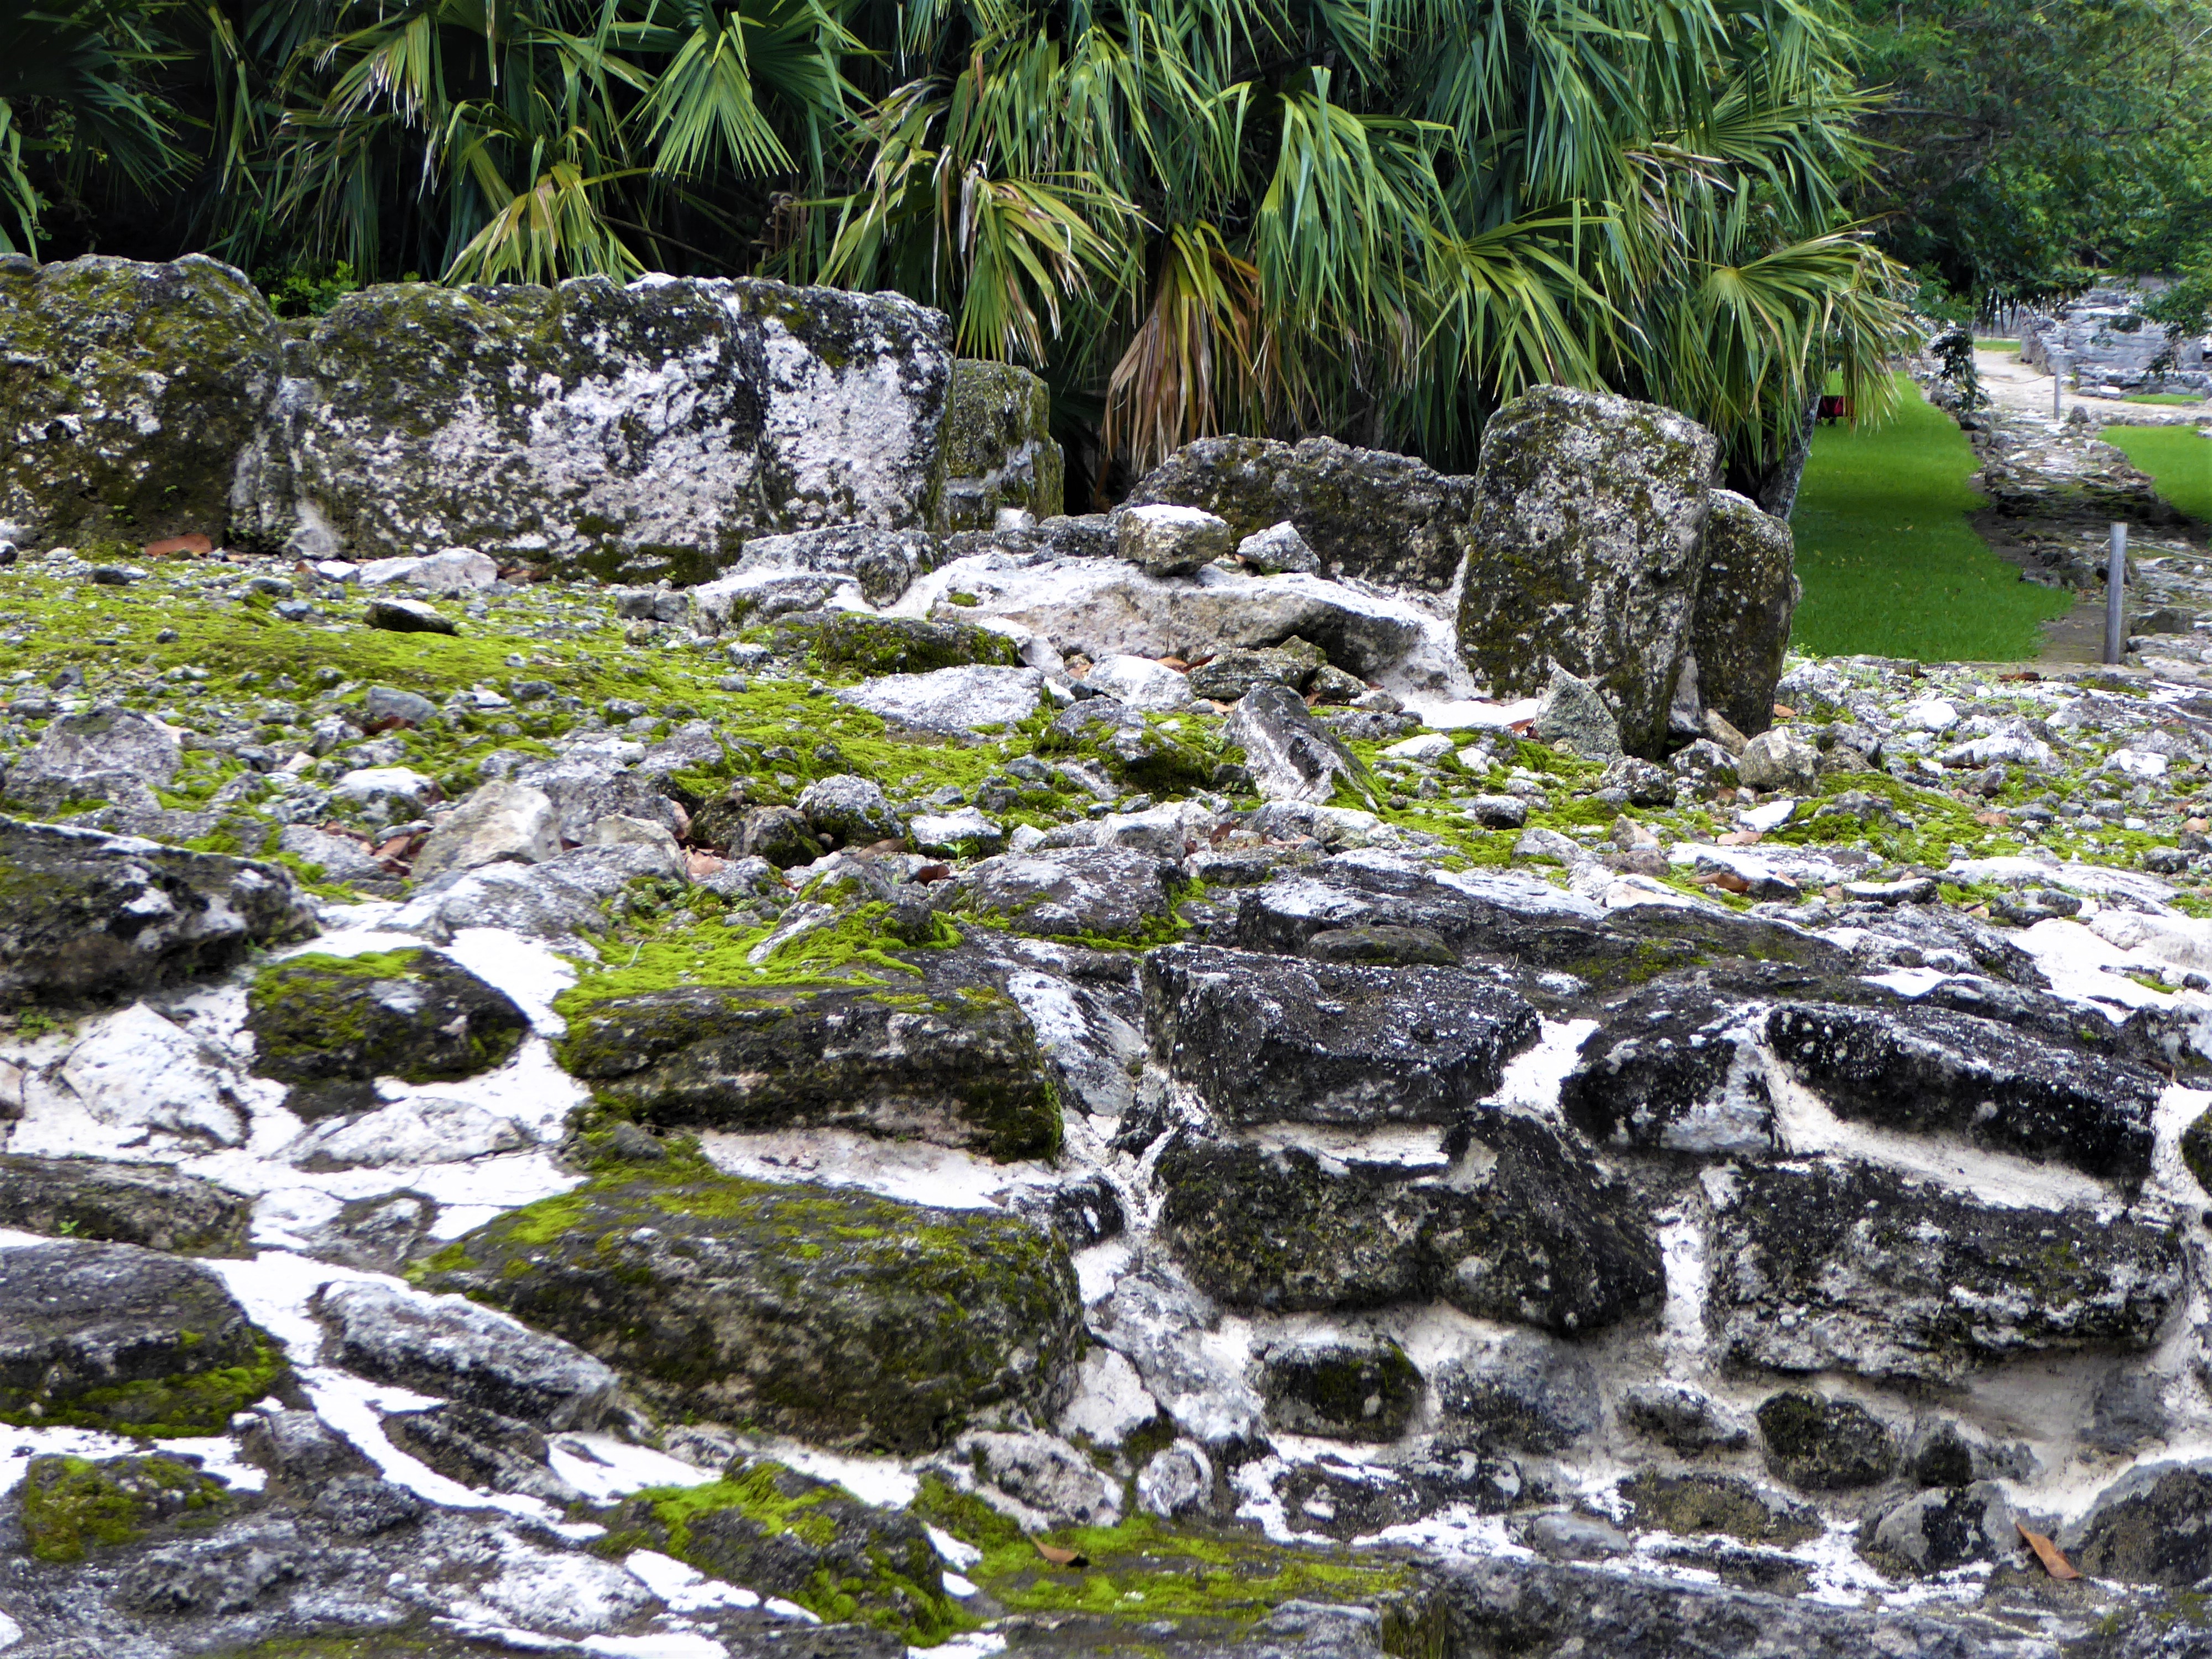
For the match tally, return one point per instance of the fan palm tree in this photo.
(1376, 218)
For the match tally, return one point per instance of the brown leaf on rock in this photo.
(196, 545)
(1738, 838)
(1059, 1557)
(2047, 1552)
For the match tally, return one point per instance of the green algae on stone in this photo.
(782, 1532)
(995, 448)
(830, 1313)
(71, 1504)
(1698, 1504)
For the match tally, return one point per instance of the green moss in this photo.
(169, 1407)
(71, 1504)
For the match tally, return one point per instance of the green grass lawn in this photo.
(2013, 346)
(2176, 457)
(2171, 399)
(1890, 565)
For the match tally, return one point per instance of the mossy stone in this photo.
(128, 391)
(1695, 1505)
(330, 1026)
(1820, 1444)
(1348, 1390)
(995, 448)
(832, 1314)
(853, 642)
(73, 1504)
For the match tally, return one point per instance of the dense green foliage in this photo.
(2022, 146)
(1372, 218)
(1890, 565)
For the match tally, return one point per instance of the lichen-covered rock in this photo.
(955, 703)
(833, 1315)
(1672, 1068)
(1740, 631)
(942, 1057)
(1781, 761)
(881, 563)
(1229, 676)
(332, 1025)
(1521, 1227)
(1526, 1393)
(109, 754)
(1589, 519)
(849, 811)
(1170, 541)
(1266, 1039)
(1835, 1265)
(1933, 1531)
(2153, 1525)
(446, 1347)
(996, 453)
(500, 823)
(854, 642)
(1346, 1390)
(146, 1204)
(1573, 716)
(89, 915)
(127, 392)
(1075, 892)
(114, 1337)
(1817, 1443)
(1924, 1069)
(633, 433)
(480, 1448)
(1365, 513)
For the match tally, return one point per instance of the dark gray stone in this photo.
(1289, 755)
(152, 1205)
(1268, 1039)
(1670, 1070)
(1820, 1444)
(1740, 631)
(1530, 1393)
(1072, 892)
(1344, 1390)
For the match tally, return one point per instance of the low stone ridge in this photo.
(1589, 519)
(1843, 1266)
(87, 916)
(1527, 1230)
(446, 1347)
(150, 1205)
(1365, 513)
(1266, 1040)
(99, 447)
(1924, 1069)
(114, 1337)
(332, 1025)
(1289, 755)
(944, 1056)
(843, 1318)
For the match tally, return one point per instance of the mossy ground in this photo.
(1890, 565)
(168, 1407)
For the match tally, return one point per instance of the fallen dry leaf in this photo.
(1782, 711)
(1997, 818)
(1833, 895)
(1981, 911)
(1175, 663)
(701, 864)
(932, 872)
(2197, 826)
(198, 546)
(1522, 728)
(2047, 1552)
(1060, 1558)
(1727, 880)
(1740, 838)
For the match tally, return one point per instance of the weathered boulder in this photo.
(84, 915)
(497, 823)
(1574, 716)
(1229, 676)
(996, 453)
(109, 754)
(1779, 760)
(112, 1336)
(1922, 1069)
(1672, 1068)
(881, 563)
(846, 810)
(146, 1204)
(1290, 754)
(127, 392)
(2152, 1526)
(1589, 512)
(1523, 1227)
(1268, 1039)
(856, 642)
(1103, 892)
(1740, 631)
(1684, 1419)
(1170, 541)
(1818, 1443)
(332, 1025)
(1346, 1390)
(1836, 1265)
(632, 433)
(942, 1056)
(1698, 1505)
(1365, 513)
(830, 1313)
(585, 786)
(446, 1346)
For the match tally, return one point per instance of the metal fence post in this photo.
(2116, 577)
